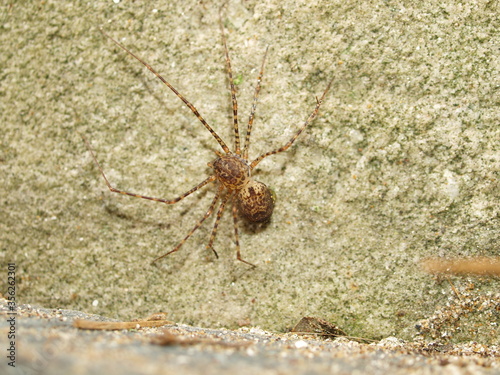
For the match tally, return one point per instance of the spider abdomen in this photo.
(255, 202)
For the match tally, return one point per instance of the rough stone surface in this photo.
(402, 164)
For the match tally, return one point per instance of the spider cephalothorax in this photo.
(232, 171)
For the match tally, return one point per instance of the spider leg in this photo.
(311, 117)
(233, 90)
(161, 200)
(236, 237)
(179, 95)
(254, 106)
(216, 225)
(207, 214)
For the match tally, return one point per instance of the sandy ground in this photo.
(402, 164)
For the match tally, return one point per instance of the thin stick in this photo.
(481, 266)
(111, 326)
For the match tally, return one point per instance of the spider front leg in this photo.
(287, 145)
(254, 106)
(161, 200)
(216, 226)
(234, 101)
(207, 214)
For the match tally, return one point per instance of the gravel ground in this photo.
(48, 343)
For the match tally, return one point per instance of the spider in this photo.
(232, 170)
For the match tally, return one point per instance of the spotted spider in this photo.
(232, 170)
